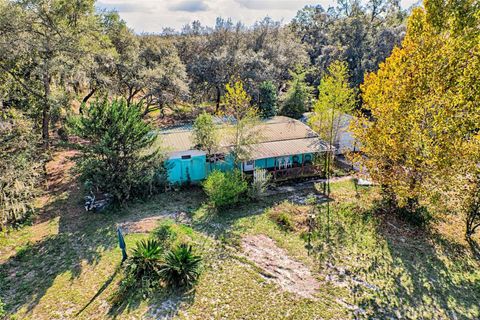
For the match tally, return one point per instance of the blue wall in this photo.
(183, 170)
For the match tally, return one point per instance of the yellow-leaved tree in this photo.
(420, 138)
(243, 119)
(336, 99)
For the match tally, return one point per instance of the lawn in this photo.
(66, 264)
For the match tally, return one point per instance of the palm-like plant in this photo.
(181, 267)
(144, 262)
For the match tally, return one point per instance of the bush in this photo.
(141, 274)
(260, 183)
(284, 220)
(165, 235)
(181, 267)
(120, 158)
(225, 189)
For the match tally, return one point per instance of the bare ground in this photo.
(146, 225)
(290, 275)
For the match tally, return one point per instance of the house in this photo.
(286, 147)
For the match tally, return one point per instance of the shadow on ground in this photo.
(31, 272)
(408, 272)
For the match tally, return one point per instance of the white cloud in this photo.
(153, 16)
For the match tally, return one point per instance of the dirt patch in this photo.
(146, 225)
(290, 275)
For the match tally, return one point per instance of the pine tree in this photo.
(298, 97)
(267, 103)
(120, 158)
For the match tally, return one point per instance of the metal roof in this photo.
(277, 136)
(287, 147)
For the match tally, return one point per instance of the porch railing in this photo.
(297, 172)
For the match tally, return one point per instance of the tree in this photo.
(473, 210)
(361, 35)
(267, 101)
(42, 43)
(205, 134)
(20, 167)
(154, 75)
(421, 138)
(213, 56)
(243, 120)
(336, 98)
(298, 97)
(120, 157)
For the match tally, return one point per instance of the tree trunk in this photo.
(89, 95)
(219, 93)
(85, 99)
(473, 213)
(46, 109)
(146, 111)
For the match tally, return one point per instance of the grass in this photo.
(67, 265)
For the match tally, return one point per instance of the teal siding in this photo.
(183, 170)
(196, 168)
(224, 166)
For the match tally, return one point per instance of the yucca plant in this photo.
(144, 263)
(181, 267)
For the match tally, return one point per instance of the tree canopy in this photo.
(421, 139)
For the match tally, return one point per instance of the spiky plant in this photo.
(144, 262)
(181, 267)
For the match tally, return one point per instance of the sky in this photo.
(155, 15)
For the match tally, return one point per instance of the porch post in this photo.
(275, 167)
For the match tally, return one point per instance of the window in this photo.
(216, 157)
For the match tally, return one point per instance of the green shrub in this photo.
(283, 219)
(165, 235)
(225, 189)
(181, 267)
